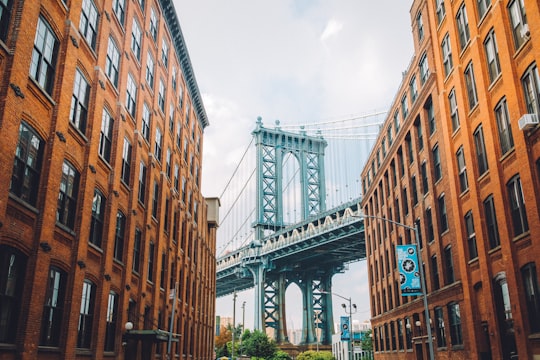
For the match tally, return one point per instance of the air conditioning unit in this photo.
(525, 32)
(528, 121)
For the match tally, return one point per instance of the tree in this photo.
(257, 344)
(281, 355)
(367, 341)
(314, 355)
(220, 342)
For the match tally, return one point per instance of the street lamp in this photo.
(422, 276)
(233, 326)
(350, 312)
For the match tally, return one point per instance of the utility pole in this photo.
(243, 324)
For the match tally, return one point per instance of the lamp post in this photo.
(233, 326)
(350, 312)
(422, 276)
(243, 324)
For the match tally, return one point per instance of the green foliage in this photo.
(314, 355)
(281, 355)
(367, 341)
(256, 344)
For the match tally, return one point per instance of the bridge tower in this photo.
(272, 145)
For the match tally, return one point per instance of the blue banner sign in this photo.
(345, 329)
(409, 273)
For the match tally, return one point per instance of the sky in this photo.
(299, 61)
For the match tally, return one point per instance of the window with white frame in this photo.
(86, 316)
(517, 206)
(119, 9)
(413, 88)
(153, 24)
(470, 83)
(483, 6)
(97, 219)
(441, 11)
(88, 23)
(531, 89)
(165, 53)
(106, 135)
(506, 139)
(112, 62)
(463, 27)
(424, 68)
(142, 182)
(79, 102)
(462, 169)
(404, 106)
(150, 70)
(518, 19)
(161, 96)
(420, 26)
(136, 38)
(67, 198)
(131, 95)
(437, 169)
(43, 64)
(447, 54)
(492, 55)
(145, 124)
(454, 113)
(158, 144)
(471, 235)
(5, 17)
(491, 222)
(126, 162)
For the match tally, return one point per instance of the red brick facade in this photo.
(101, 212)
(467, 173)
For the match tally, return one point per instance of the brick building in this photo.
(459, 157)
(101, 213)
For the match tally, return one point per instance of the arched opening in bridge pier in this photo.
(293, 312)
(292, 189)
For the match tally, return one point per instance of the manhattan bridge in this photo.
(291, 214)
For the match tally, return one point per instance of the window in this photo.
(470, 82)
(105, 136)
(12, 277)
(504, 315)
(503, 125)
(136, 38)
(447, 54)
(532, 298)
(463, 27)
(111, 319)
(164, 53)
(414, 190)
(89, 22)
(173, 79)
(86, 315)
(171, 117)
(454, 319)
(150, 274)
(435, 273)
(168, 162)
(491, 222)
(131, 95)
(471, 235)
(98, 218)
(439, 327)
(142, 182)
(43, 62)
(155, 200)
(396, 122)
(454, 114)
(51, 322)
(408, 333)
(518, 19)
(531, 88)
(126, 162)
(119, 7)
(492, 56)
(430, 114)
(449, 265)
(443, 219)
(176, 178)
(389, 135)
(5, 16)
(27, 164)
(437, 163)
(400, 334)
(161, 96)
(404, 107)
(462, 170)
(150, 70)
(153, 24)
(480, 146)
(410, 150)
(420, 26)
(67, 197)
(157, 145)
(441, 12)
(79, 102)
(425, 186)
(119, 236)
(424, 68)
(145, 125)
(483, 5)
(517, 206)
(112, 62)
(137, 251)
(429, 226)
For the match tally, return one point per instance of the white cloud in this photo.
(332, 28)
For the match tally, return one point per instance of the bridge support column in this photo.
(274, 307)
(258, 269)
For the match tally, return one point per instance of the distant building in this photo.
(101, 212)
(459, 157)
